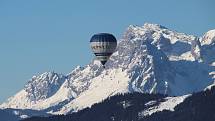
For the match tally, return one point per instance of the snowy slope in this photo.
(36, 90)
(169, 104)
(148, 59)
(102, 87)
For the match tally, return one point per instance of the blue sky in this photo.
(53, 35)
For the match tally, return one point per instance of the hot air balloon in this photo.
(103, 45)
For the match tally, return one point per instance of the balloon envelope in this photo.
(103, 45)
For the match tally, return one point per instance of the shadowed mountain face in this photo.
(10, 114)
(6, 116)
(146, 107)
(148, 59)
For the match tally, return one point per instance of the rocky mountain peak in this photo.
(44, 85)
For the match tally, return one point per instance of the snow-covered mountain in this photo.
(148, 59)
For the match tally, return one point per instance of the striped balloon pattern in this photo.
(103, 45)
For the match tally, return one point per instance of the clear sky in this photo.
(53, 35)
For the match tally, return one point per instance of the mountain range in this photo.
(148, 59)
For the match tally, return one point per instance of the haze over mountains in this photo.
(149, 59)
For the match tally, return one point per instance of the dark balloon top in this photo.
(103, 37)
